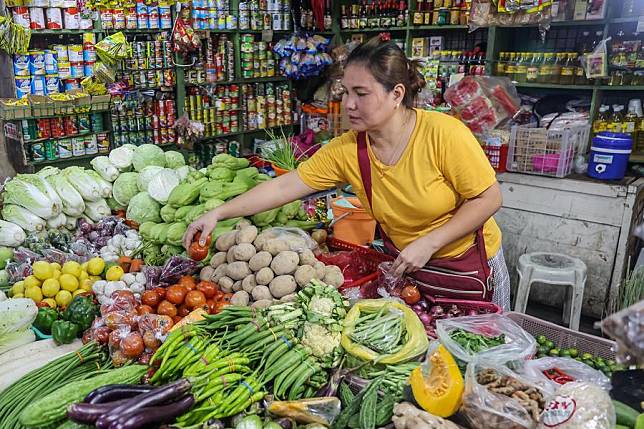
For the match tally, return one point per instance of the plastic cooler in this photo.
(563, 337)
(609, 156)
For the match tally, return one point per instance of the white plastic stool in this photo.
(554, 269)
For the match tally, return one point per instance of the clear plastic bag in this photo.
(550, 373)
(579, 405)
(297, 238)
(388, 283)
(175, 268)
(518, 344)
(497, 398)
(596, 63)
(314, 410)
(626, 328)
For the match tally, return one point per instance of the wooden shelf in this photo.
(372, 30)
(578, 23)
(241, 81)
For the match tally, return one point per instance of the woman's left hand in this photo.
(414, 256)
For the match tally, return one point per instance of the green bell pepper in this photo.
(44, 319)
(82, 311)
(64, 332)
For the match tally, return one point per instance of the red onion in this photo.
(436, 311)
(472, 312)
(426, 319)
(423, 304)
(417, 308)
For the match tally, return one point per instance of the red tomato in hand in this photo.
(410, 294)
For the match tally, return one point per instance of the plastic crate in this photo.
(369, 257)
(497, 155)
(565, 338)
(546, 152)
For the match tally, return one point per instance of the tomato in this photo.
(150, 298)
(176, 294)
(102, 335)
(150, 340)
(218, 295)
(212, 306)
(166, 308)
(197, 252)
(410, 294)
(183, 310)
(114, 339)
(208, 288)
(188, 282)
(198, 236)
(132, 345)
(143, 309)
(195, 299)
(176, 319)
(160, 291)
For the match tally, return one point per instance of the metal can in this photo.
(21, 65)
(43, 128)
(454, 16)
(443, 16)
(37, 62)
(83, 123)
(52, 84)
(21, 16)
(51, 61)
(37, 152)
(103, 142)
(51, 150)
(65, 148)
(90, 145)
(70, 124)
(78, 146)
(96, 122)
(54, 17)
(130, 18)
(57, 127)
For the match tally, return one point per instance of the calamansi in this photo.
(73, 268)
(68, 282)
(95, 266)
(50, 288)
(63, 298)
(114, 274)
(34, 293)
(42, 270)
(31, 281)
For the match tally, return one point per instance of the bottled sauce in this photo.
(555, 71)
(580, 73)
(362, 20)
(344, 18)
(532, 71)
(601, 123)
(616, 120)
(418, 13)
(401, 20)
(427, 14)
(545, 68)
(511, 66)
(567, 76)
(632, 119)
(500, 65)
(328, 21)
(522, 67)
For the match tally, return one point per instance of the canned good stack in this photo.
(65, 136)
(149, 65)
(218, 112)
(205, 151)
(139, 16)
(143, 121)
(214, 61)
(212, 15)
(265, 15)
(51, 15)
(266, 105)
(58, 69)
(257, 58)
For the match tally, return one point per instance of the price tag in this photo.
(640, 24)
(267, 35)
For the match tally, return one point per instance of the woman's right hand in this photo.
(204, 224)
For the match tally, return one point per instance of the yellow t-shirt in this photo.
(442, 165)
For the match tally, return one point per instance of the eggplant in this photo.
(154, 397)
(113, 392)
(82, 412)
(148, 415)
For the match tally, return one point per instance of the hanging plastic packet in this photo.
(104, 73)
(112, 48)
(596, 63)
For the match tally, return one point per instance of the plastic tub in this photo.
(353, 225)
(279, 171)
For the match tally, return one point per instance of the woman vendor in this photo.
(422, 175)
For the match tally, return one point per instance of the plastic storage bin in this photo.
(546, 152)
(609, 155)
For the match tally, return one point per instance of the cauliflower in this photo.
(322, 305)
(320, 341)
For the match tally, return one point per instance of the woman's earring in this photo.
(397, 105)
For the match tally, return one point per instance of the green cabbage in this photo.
(114, 205)
(174, 159)
(125, 187)
(22, 217)
(121, 157)
(143, 208)
(105, 168)
(146, 155)
(162, 185)
(183, 172)
(6, 255)
(16, 314)
(24, 194)
(146, 175)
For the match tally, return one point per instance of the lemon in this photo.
(63, 298)
(56, 275)
(17, 288)
(68, 282)
(50, 302)
(95, 266)
(84, 266)
(83, 276)
(78, 292)
(19, 295)
(73, 268)
(95, 278)
(50, 288)
(86, 285)
(32, 281)
(34, 293)
(114, 274)
(56, 266)
(42, 270)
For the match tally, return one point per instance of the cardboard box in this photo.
(580, 10)
(419, 47)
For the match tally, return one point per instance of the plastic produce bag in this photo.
(518, 344)
(175, 268)
(626, 328)
(313, 410)
(550, 373)
(497, 398)
(388, 283)
(415, 345)
(297, 238)
(579, 406)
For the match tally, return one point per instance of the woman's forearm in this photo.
(468, 218)
(265, 196)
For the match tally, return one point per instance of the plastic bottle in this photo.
(601, 122)
(567, 76)
(532, 72)
(511, 66)
(632, 120)
(500, 65)
(616, 121)
(522, 67)
(544, 68)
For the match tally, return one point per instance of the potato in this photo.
(261, 292)
(276, 246)
(237, 286)
(263, 303)
(307, 257)
(226, 284)
(230, 256)
(319, 270)
(238, 270)
(226, 241)
(282, 286)
(291, 297)
(220, 272)
(242, 224)
(260, 260)
(249, 283)
(206, 273)
(319, 235)
(333, 276)
(247, 234)
(261, 239)
(240, 298)
(244, 251)
(264, 276)
(285, 263)
(304, 274)
(218, 259)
